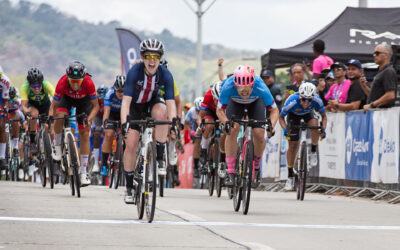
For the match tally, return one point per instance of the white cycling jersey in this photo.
(4, 86)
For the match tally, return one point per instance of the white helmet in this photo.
(307, 90)
(197, 102)
(215, 90)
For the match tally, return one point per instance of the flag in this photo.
(129, 44)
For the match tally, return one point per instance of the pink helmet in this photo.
(244, 75)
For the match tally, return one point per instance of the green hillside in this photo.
(41, 36)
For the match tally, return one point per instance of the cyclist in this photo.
(243, 91)
(298, 106)
(14, 113)
(208, 112)
(141, 99)
(192, 122)
(35, 98)
(75, 89)
(97, 128)
(112, 112)
(4, 96)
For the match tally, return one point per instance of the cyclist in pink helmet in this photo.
(243, 90)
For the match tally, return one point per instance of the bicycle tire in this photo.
(212, 162)
(236, 189)
(119, 154)
(247, 176)
(49, 157)
(111, 175)
(161, 184)
(42, 162)
(151, 183)
(303, 171)
(73, 154)
(26, 153)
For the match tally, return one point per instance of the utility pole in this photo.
(362, 3)
(199, 45)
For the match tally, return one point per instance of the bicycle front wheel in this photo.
(73, 154)
(151, 181)
(119, 161)
(247, 176)
(302, 178)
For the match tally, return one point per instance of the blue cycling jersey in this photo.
(191, 118)
(292, 105)
(142, 88)
(111, 100)
(260, 90)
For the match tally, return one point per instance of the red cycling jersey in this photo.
(208, 102)
(63, 88)
(101, 108)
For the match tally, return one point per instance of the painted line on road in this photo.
(204, 223)
(186, 216)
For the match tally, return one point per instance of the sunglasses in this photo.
(36, 86)
(377, 53)
(303, 99)
(152, 56)
(75, 81)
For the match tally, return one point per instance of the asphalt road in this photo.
(32, 217)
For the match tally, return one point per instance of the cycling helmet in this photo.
(102, 91)
(119, 82)
(197, 102)
(76, 70)
(244, 75)
(35, 76)
(12, 93)
(307, 90)
(215, 90)
(151, 45)
(164, 63)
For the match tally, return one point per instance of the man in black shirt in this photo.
(383, 91)
(275, 88)
(356, 97)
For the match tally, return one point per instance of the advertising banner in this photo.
(185, 164)
(359, 142)
(129, 44)
(270, 161)
(331, 149)
(385, 160)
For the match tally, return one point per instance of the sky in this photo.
(241, 24)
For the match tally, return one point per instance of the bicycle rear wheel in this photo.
(151, 181)
(302, 178)
(73, 154)
(247, 176)
(42, 163)
(48, 157)
(119, 161)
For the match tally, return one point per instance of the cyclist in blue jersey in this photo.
(112, 112)
(141, 100)
(243, 91)
(301, 106)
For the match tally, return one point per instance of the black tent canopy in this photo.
(353, 34)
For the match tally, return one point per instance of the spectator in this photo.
(356, 97)
(321, 61)
(297, 73)
(323, 84)
(339, 90)
(383, 91)
(275, 88)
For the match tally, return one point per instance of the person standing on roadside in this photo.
(321, 60)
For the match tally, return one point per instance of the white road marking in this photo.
(204, 223)
(186, 216)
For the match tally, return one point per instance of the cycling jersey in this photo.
(161, 92)
(143, 88)
(208, 102)
(260, 91)
(101, 109)
(4, 88)
(191, 118)
(111, 100)
(293, 106)
(13, 105)
(40, 99)
(87, 89)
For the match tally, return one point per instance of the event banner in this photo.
(129, 44)
(185, 164)
(271, 157)
(359, 141)
(331, 149)
(385, 160)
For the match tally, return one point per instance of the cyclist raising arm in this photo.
(243, 91)
(141, 99)
(75, 89)
(298, 106)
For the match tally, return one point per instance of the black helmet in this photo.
(12, 93)
(34, 76)
(102, 91)
(151, 45)
(119, 82)
(76, 70)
